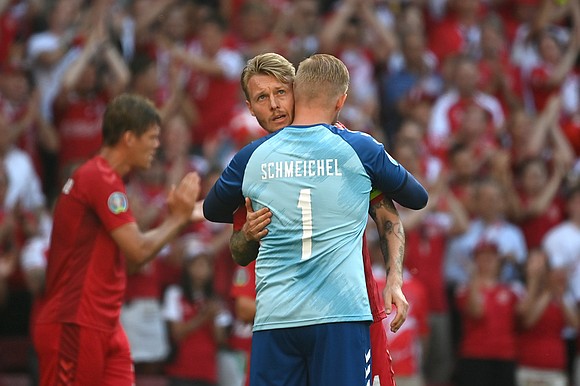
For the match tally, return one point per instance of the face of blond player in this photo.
(144, 147)
(271, 102)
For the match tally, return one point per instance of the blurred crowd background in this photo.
(479, 99)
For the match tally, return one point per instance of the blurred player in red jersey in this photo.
(95, 239)
(267, 83)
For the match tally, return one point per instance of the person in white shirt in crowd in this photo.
(490, 224)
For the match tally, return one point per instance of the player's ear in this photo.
(249, 105)
(128, 138)
(340, 102)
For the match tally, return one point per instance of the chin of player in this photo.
(279, 125)
(146, 164)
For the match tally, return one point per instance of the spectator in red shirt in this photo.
(297, 29)
(252, 34)
(476, 131)
(355, 34)
(13, 22)
(426, 234)
(488, 309)
(169, 98)
(557, 60)
(571, 129)
(463, 173)
(175, 152)
(195, 318)
(541, 204)
(213, 84)
(51, 50)
(141, 315)
(459, 32)
(29, 130)
(450, 108)
(530, 136)
(86, 89)
(173, 30)
(544, 312)
(498, 76)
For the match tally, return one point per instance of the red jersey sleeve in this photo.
(106, 194)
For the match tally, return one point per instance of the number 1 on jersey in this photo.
(305, 203)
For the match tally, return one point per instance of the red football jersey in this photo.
(85, 278)
(541, 89)
(425, 257)
(547, 335)
(536, 227)
(493, 336)
(79, 128)
(196, 354)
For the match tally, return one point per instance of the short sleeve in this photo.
(106, 194)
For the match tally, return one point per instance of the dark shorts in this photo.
(72, 355)
(335, 354)
(485, 372)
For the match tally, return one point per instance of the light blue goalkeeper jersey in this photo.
(316, 180)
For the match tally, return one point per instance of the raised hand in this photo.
(183, 198)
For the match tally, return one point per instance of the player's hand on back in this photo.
(183, 197)
(256, 221)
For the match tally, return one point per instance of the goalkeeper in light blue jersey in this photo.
(316, 179)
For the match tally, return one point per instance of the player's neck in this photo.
(116, 160)
(307, 115)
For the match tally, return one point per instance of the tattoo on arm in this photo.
(389, 228)
(243, 251)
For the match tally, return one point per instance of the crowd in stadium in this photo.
(478, 99)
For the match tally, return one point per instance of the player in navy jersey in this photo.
(95, 239)
(313, 311)
(267, 84)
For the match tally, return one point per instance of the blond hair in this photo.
(267, 64)
(321, 75)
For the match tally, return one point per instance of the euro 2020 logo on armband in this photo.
(117, 202)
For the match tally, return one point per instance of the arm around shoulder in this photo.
(412, 194)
